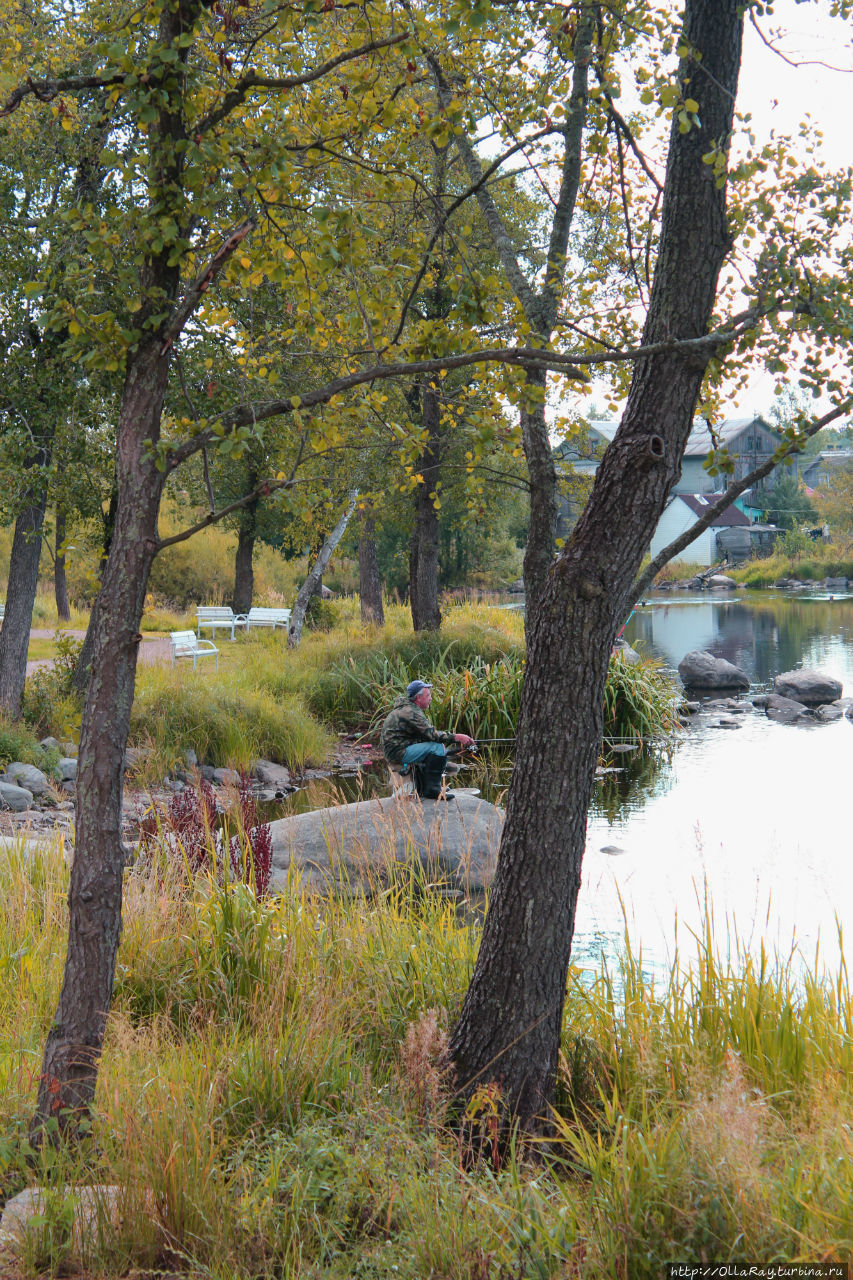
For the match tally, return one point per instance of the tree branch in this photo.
(526, 357)
(571, 173)
(262, 490)
(46, 90)
(251, 80)
(202, 283)
(734, 491)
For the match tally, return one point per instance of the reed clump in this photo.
(272, 1100)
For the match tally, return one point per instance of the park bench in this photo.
(211, 616)
(186, 644)
(262, 617)
(2, 615)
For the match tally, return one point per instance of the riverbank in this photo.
(272, 1103)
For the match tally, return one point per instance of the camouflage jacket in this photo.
(407, 724)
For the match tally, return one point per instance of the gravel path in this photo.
(151, 651)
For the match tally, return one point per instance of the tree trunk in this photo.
(369, 580)
(544, 505)
(60, 582)
(21, 591)
(244, 573)
(312, 582)
(84, 658)
(509, 1027)
(69, 1069)
(423, 554)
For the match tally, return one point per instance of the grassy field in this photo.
(272, 1103)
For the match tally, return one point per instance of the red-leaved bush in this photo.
(195, 840)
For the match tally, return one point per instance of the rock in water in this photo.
(785, 710)
(811, 687)
(701, 670)
(624, 650)
(355, 845)
(271, 774)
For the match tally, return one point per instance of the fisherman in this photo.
(408, 739)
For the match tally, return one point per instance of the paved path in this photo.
(151, 651)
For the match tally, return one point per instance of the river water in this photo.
(755, 821)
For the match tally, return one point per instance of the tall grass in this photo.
(227, 721)
(477, 676)
(271, 1098)
(821, 561)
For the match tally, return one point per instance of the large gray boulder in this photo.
(94, 1212)
(811, 687)
(701, 670)
(27, 775)
(355, 845)
(15, 798)
(66, 769)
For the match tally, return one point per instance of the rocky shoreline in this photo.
(38, 801)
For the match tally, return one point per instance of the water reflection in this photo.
(753, 819)
(762, 632)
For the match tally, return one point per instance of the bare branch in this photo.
(202, 283)
(262, 490)
(663, 557)
(251, 80)
(47, 90)
(792, 62)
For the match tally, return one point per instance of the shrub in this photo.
(49, 703)
(16, 743)
(187, 832)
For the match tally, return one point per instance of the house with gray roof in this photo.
(749, 442)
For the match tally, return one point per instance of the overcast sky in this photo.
(779, 96)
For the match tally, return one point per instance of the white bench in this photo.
(211, 616)
(2, 615)
(186, 644)
(261, 617)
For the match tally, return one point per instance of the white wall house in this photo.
(682, 511)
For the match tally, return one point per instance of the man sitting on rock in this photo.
(409, 740)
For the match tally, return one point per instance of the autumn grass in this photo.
(271, 1100)
(821, 561)
(267, 701)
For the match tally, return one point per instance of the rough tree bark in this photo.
(60, 581)
(509, 1027)
(244, 573)
(312, 583)
(423, 552)
(87, 649)
(74, 1043)
(23, 582)
(369, 579)
(75, 1039)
